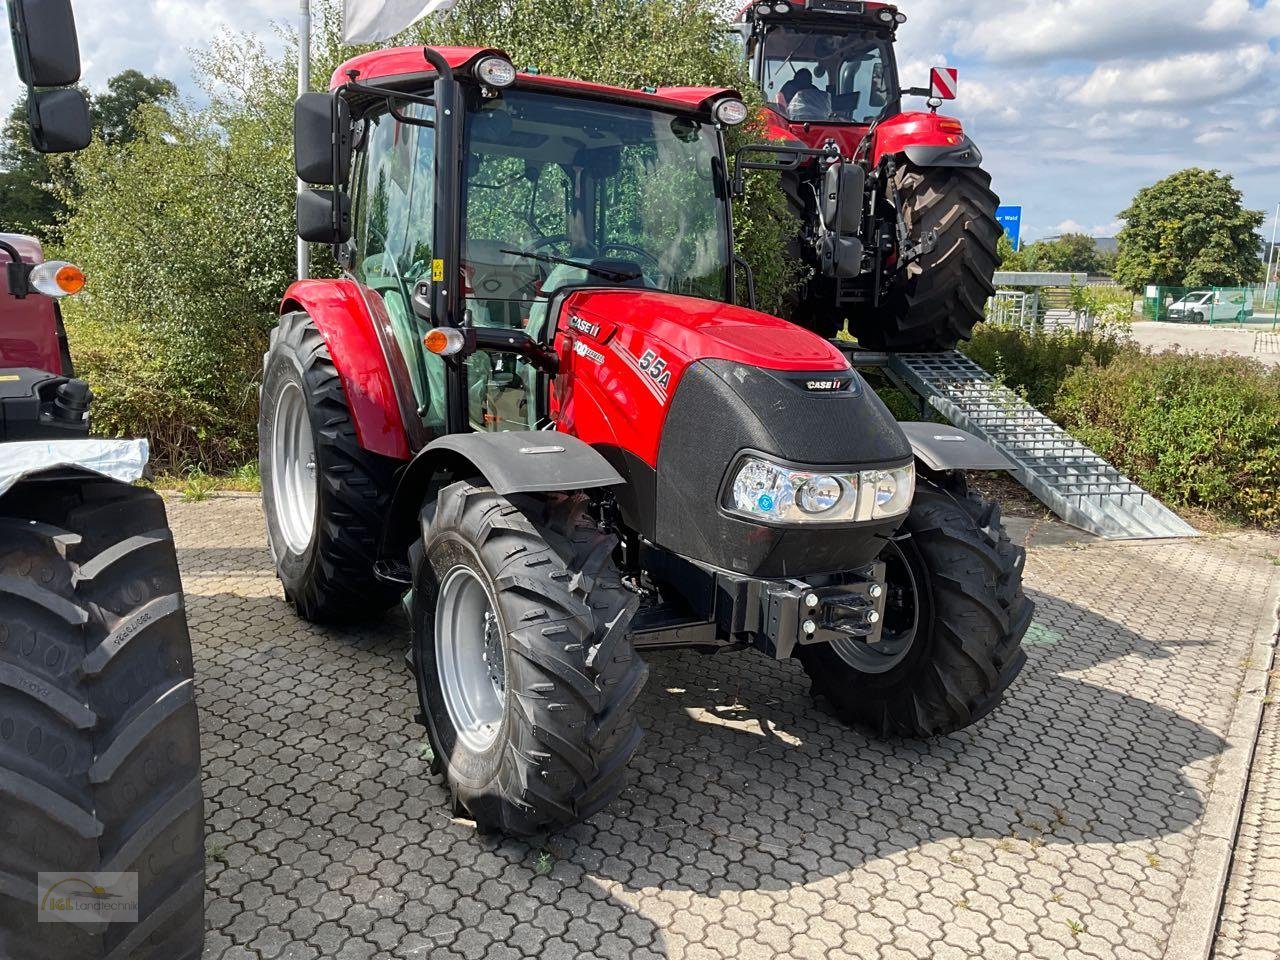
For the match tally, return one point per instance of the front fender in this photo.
(926, 139)
(511, 463)
(341, 314)
(943, 448)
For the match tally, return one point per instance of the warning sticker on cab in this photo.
(437, 271)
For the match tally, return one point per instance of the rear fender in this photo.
(341, 314)
(944, 449)
(926, 139)
(510, 463)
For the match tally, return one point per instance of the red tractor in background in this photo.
(918, 272)
(100, 796)
(530, 409)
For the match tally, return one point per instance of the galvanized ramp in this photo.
(1069, 478)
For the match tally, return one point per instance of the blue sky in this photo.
(1075, 103)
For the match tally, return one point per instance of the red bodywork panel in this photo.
(892, 136)
(410, 61)
(28, 328)
(610, 389)
(342, 317)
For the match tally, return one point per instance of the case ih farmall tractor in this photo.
(531, 408)
(917, 273)
(100, 805)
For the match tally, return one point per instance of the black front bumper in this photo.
(718, 608)
(777, 616)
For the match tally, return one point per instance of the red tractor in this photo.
(100, 806)
(916, 273)
(530, 408)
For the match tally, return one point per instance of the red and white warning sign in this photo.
(944, 82)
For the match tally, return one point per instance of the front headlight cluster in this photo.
(774, 493)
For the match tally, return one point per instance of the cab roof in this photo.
(405, 63)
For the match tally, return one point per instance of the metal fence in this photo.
(1249, 306)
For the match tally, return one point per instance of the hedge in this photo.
(1196, 431)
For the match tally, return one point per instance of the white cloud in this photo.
(1193, 78)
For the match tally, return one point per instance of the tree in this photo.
(1072, 253)
(1189, 230)
(29, 180)
(115, 112)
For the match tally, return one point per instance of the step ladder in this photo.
(1065, 475)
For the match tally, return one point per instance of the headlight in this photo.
(731, 112)
(496, 72)
(774, 493)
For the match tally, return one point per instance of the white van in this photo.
(1207, 306)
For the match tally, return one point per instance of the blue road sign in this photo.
(1011, 219)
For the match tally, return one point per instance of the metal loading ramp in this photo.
(1068, 478)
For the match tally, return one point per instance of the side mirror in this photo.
(944, 83)
(843, 192)
(322, 139)
(44, 42)
(324, 216)
(60, 121)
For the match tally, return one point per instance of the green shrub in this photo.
(1035, 364)
(1195, 431)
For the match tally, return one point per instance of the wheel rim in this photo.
(901, 621)
(469, 659)
(293, 469)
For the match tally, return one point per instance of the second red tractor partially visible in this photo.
(916, 273)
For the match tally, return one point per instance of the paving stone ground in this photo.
(756, 826)
(1250, 926)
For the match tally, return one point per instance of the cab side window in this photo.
(395, 218)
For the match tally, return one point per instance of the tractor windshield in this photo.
(827, 75)
(562, 190)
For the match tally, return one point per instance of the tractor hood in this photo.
(673, 390)
(697, 329)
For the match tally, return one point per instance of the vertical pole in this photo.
(1272, 287)
(304, 85)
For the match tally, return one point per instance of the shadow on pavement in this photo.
(743, 783)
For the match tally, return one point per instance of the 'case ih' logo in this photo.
(584, 326)
(825, 386)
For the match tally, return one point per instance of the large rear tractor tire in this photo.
(99, 738)
(324, 495)
(525, 670)
(937, 300)
(953, 626)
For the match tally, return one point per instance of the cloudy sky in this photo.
(1076, 103)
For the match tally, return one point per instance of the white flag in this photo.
(370, 21)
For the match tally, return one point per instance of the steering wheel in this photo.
(548, 241)
(637, 251)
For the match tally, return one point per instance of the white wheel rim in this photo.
(469, 659)
(293, 470)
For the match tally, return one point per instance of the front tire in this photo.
(526, 673)
(323, 494)
(99, 737)
(955, 591)
(937, 300)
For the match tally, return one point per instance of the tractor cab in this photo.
(826, 67)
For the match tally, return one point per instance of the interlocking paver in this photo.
(1064, 825)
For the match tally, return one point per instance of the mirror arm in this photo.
(791, 158)
(23, 49)
(19, 272)
(751, 279)
(507, 340)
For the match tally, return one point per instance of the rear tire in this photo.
(561, 728)
(938, 299)
(324, 551)
(99, 737)
(970, 616)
